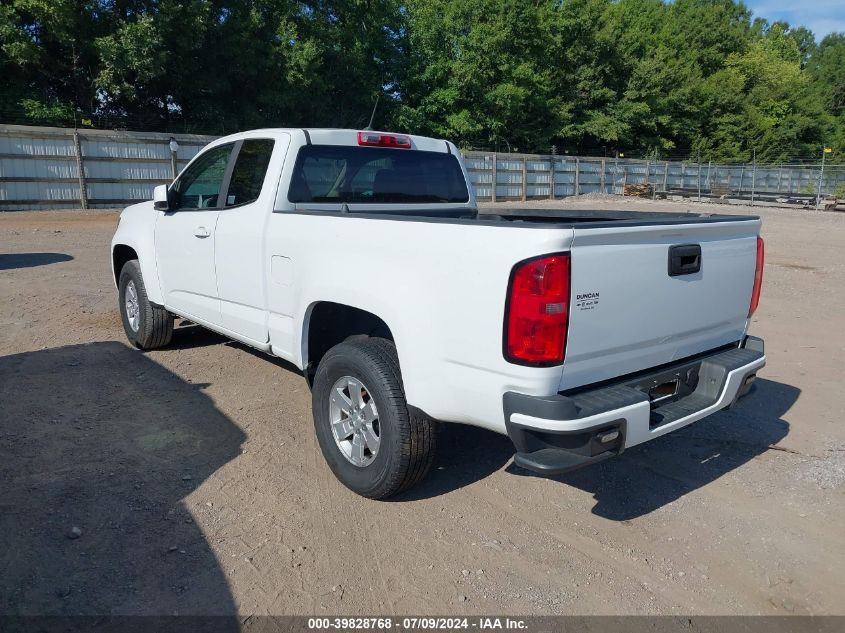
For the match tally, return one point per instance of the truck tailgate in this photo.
(628, 313)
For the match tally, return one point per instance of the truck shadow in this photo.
(465, 454)
(10, 261)
(652, 475)
(645, 477)
(187, 335)
(101, 438)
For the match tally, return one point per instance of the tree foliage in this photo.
(592, 76)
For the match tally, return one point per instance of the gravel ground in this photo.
(188, 480)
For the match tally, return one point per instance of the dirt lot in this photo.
(195, 480)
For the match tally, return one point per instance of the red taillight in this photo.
(758, 278)
(380, 139)
(538, 311)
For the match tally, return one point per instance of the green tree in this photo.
(826, 71)
(758, 102)
(480, 71)
(47, 58)
(589, 76)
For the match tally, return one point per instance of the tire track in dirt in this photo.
(334, 504)
(766, 536)
(785, 538)
(515, 507)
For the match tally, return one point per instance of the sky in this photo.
(820, 16)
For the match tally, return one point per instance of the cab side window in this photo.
(199, 186)
(249, 171)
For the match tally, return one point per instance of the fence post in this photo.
(615, 174)
(603, 180)
(174, 169)
(699, 179)
(666, 178)
(495, 176)
(577, 176)
(753, 176)
(80, 170)
(524, 178)
(821, 177)
(552, 176)
(624, 179)
(683, 177)
(654, 186)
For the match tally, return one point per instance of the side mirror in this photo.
(161, 201)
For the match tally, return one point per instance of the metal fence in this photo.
(43, 167)
(531, 177)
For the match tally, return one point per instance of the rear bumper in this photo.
(560, 433)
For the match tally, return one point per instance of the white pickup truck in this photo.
(361, 258)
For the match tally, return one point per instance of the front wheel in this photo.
(372, 443)
(147, 325)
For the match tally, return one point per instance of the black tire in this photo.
(407, 442)
(155, 326)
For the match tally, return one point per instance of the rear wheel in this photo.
(147, 326)
(372, 443)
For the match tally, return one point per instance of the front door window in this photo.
(199, 186)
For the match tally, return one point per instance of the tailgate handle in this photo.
(684, 259)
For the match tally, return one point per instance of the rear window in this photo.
(332, 173)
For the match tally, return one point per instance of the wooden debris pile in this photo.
(640, 190)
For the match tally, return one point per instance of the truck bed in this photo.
(526, 217)
(571, 217)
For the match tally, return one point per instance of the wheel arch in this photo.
(124, 250)
(328, 323)
(120, 254)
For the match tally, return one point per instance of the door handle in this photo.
(684, 259)
(201, 231)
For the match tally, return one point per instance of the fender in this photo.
(363, 301)
(136, 229)
(366, 302)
